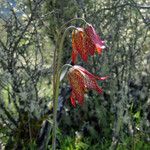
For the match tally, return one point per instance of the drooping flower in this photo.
(92, 40)
(81, 80)
(86, 42)
(78, 45)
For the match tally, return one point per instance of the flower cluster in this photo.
(85, 42)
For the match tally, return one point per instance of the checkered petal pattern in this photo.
(81, 80)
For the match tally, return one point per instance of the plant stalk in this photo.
(56, 86)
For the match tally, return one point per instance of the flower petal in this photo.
(88, 45)
(76, 80)
(78, 43)
(72, 98)
(74, 56)
(99, 49)
(89, 74)
(92, 84)
(95, 39)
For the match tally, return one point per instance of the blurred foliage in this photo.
(117, 119)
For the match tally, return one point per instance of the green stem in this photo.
(74, 19)
(56, 87)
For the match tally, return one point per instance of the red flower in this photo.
(81, 80)
(93, 41)
(85, 42)
(78, 46)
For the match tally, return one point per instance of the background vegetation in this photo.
(117, 119)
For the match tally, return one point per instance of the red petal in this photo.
(76, 80)
(74, 56)
(92, 84)
(72, 100)
(88, 45)
(77, 43)
(89, 74)
(99, 90)
(85, 71)
(99, 49)
(80, 97)
(97, 43)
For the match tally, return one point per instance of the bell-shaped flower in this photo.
(92, 40)
(80, 81)
(85, 41)
(78, 45)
